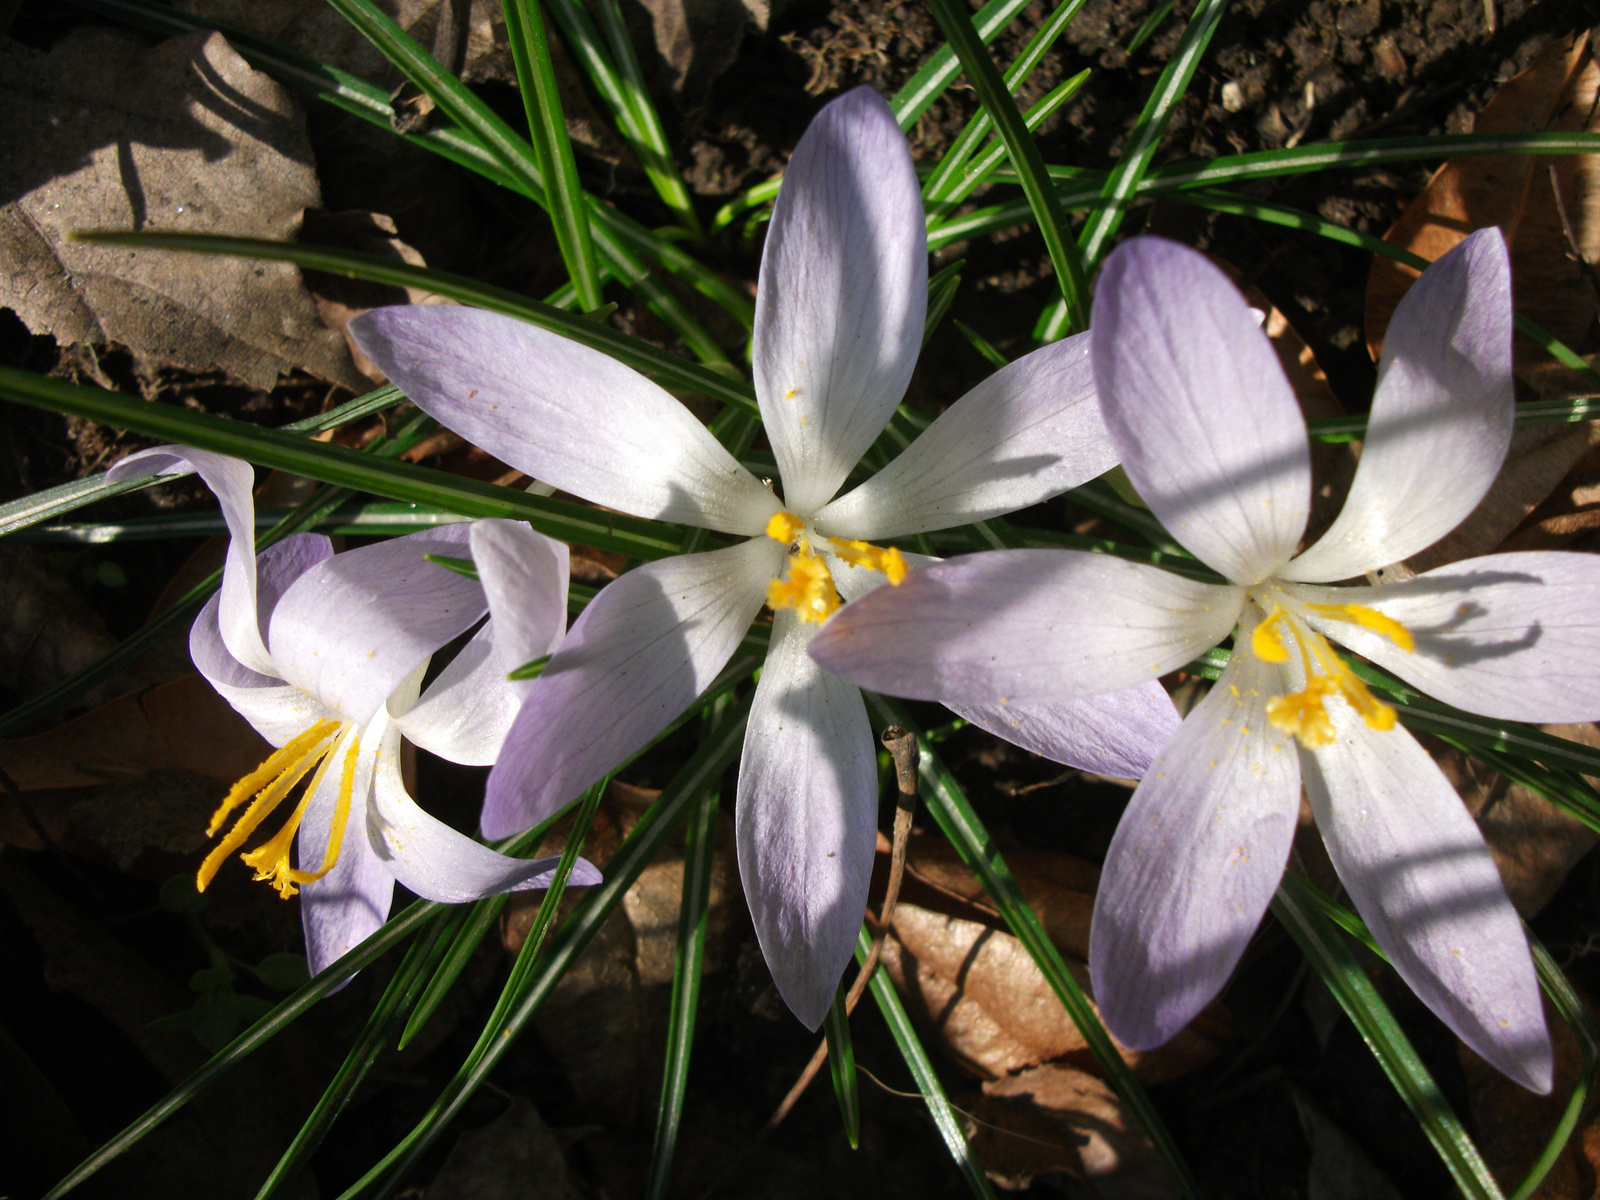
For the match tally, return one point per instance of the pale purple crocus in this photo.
(323, 654)
(1211, 436)
(840, 309)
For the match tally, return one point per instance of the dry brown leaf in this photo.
(513, 1157)
(102, 132)
(1055, 1119)
(1556, 93)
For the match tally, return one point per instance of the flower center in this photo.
(271, 783)
(1304, 714)
(806, 584)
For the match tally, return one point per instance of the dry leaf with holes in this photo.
(102, 132)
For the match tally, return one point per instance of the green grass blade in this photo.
(702, 771)
(948, 805)
(997, 101)
(944, 176)
(1151, 23)
(639, 355)
(921, 1068)
(842, 1067)
(942, 67)
(982, 168)
(942, 288)
(699, 856)
(552, 148)
(1318, 938)
(1570, 1005)
(1146, 135)
(381, 1024)
(981, 344)
(459, 945)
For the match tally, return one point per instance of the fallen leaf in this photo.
(102, 132)
(513, 1157)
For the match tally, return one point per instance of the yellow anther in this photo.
(875, 558)
(784, 527)
(1265, 642)
(1303, 714)
(806, 587)
(1368, 618)
(271, 858)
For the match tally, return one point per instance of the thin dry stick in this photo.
(1573, 251)
(902, 747)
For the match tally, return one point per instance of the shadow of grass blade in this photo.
(996, 99)
(921, 1068)
(390, 1010)
(702, 771)
(552, 148)
(1319, 940)
(699, 856)
(945, 801)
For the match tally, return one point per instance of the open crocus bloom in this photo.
(323, 654)
(1211, 436)
(840, 309)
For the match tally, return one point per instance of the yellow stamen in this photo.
(271, 858)
(875, 558)
(807, 587)
(280, 773)
(1266, 643)
(1369, 618)
(784, 527)
(1304, 714)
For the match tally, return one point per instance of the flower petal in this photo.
(1115, 734)
(1199, 409)
(467, 711)
(806, 817)
(350, 629)
(1028, 432)
(842, 295)
(1025, 627)
(564, 413)
(1417, 868)
(646, 646)
(232, 482)
(1445, 396)
(351, 901)
(433, 860)
(1195, 860)
(1507, 635)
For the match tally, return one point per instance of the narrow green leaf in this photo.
(552, 148)
(464, 567)
(347, 468)
(921, 1068)
(1151, 23)
(1571, 1007)
(530, 670)
(941, 69)
(702, 770)
(635, 353)
(942, 288)
(981, 344)
(458, 945)
(949, 806)
(842, 1067)
(985, 78)
(1123, 182)
(699, 857)
(1319, 940)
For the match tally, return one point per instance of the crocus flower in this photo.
(1210, 434)
(840, 310)
(323, 654)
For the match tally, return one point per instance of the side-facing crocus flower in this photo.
(323, 654)
(840, 310)
(1210, 434)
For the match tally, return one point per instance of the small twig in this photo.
(902, 747)
(1573, 251)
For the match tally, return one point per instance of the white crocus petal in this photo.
(842, 295)
(1515, 636)
(467, 711)
(1115, 733)
(351, 901)
(1417, 868)
(525, 576)
(646, 646)
(1025, 627)
(232, 481)
(433, 860)
(807, 809)
(1028, 432)
(350, 629)
(1199, 410)
(276, 710)
(1441, 416)
(564, 413)
(1195, 860)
